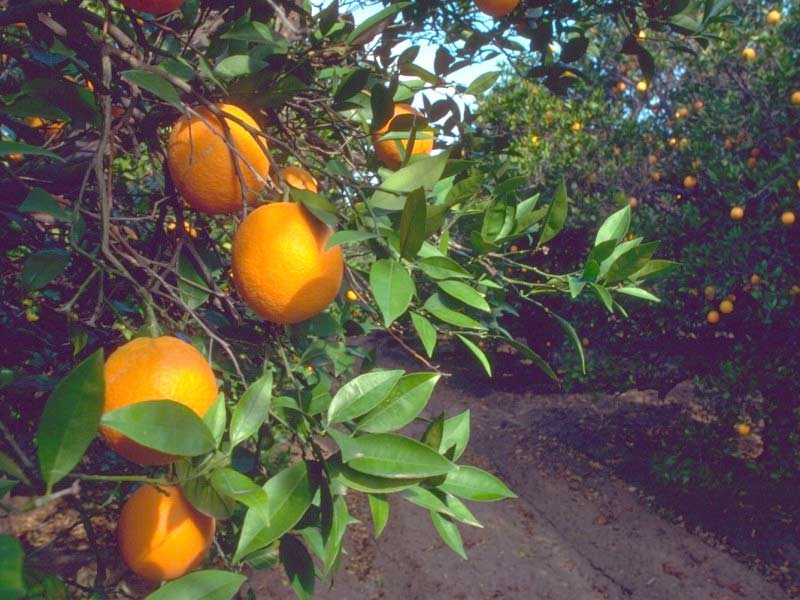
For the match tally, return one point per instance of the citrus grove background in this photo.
(208, 205)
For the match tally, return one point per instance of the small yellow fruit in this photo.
(752, 162)
(655, 176)
(712, 317)
(773, 17)
(787, 218)
(709, 292)
(652, 159)
(794, 290)
(641, 86)
(749, 54)
(576, 126)
(513, 248)
(642, 34)
(755, 279)
(795, 99)
(737, 213)
(726, 307)
(673, 141)
(585, 342)
(743, 429)
(351, 296)
(633, 202)
(698, 105)
(696, 164)
(690, 182)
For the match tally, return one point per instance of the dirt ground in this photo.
(586, 524)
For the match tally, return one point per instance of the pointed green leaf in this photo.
(360, 395)
(449, 533)
(426, 332)
(475, 484)
(392, 288)
(396, 457)
(478, 353)
(556, 215)
(379, 508)
(464, 293)
(252, 409)
(455, 434)
(402, 405)
(201, 585)
(412, 224)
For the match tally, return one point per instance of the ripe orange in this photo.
(773, 17)
(699, 104)
(156, 7)
(641, 86)
(633, 202)
(713, 317)
(388, 151)
(655, 176)
(755, 279)
(787, 218)
(51, 129)
(163, 368)
(737, 213)
(709, 292)
(161, 535)
(752, 162)
(351, 296)
(795, 98)
(496, 8)
(652, 159)
(201, 163)
(280, 264)
(689, 182)
(300, 179)
(726, 307)
(696, 164)
(748, 54)
(576, 126)
(743, 429)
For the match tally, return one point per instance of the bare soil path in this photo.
(577, 530)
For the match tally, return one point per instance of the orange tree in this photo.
(707, 155)
(225, 194)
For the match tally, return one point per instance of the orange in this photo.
(576, 126)
(795, 97)
(641, 86)
(773, 17)
(156, 7)
(709, 292)
(351, 296)
(689, 182)
(161, 535)
(737, 213)
(652, 159)
(655, 176)
(51, 129)
(699, 104)
(300, 179)
(388, 151)
(787, 218)
(201, 163)
(280, 265)
(755, 279)
(748, 54)
(496, 8)
(713, 317)
(163, 368)
(633, 202)
(726, 307)
(743, 429)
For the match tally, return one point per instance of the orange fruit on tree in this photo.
(351, 296)
(699, 104)
(726, 307)
(163, 368)
(737, 213)
(752, 162)
(773, 17)
(712, 317)
(709, 292)
(689, 182)
(743, 429)
(161, 535)
(202, 165)
(795, 98)
(748, 54)
(280, 265)
(51, 129)
(496, 8)
(633, 202)
(156, 7)
(755, 279)
(388, 151)
(300, 179)
(787, 218)
(641, 86)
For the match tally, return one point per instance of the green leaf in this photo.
(338, 526)
(464, 293)
(215, 418)
(556, 215)
(475, 484)
(298, 565)
(316, 204)
(573, 336)
(8, 466)
(70, 418)
(392, 288)
(396, 457)
(153, 83)
(603, 295)
(7, 148)
(441, 267)
(42, 267)
(432, 436)
(379, 508)
(479, 354)
(39, 200)
(402, 405)
(351, 85)
(241, 488)
(369, 484)
(615, 227)
(191, 285)
(440, 502)
(258, 33)
(438, 307)
(360, 395)
(655, 268)
(638, 293)
(289, 494)
(630, 262)
(597, 257)
(449, 533)
(162, 425)
(202, 495)
(482, 83)
(239, 65)
(455, 434)
(365, 28)
(426, 332)
(424, 172)
(252, 409)
(534, 357)
(12, 560)
(201, 585)
(412, 224)
(341, 238)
